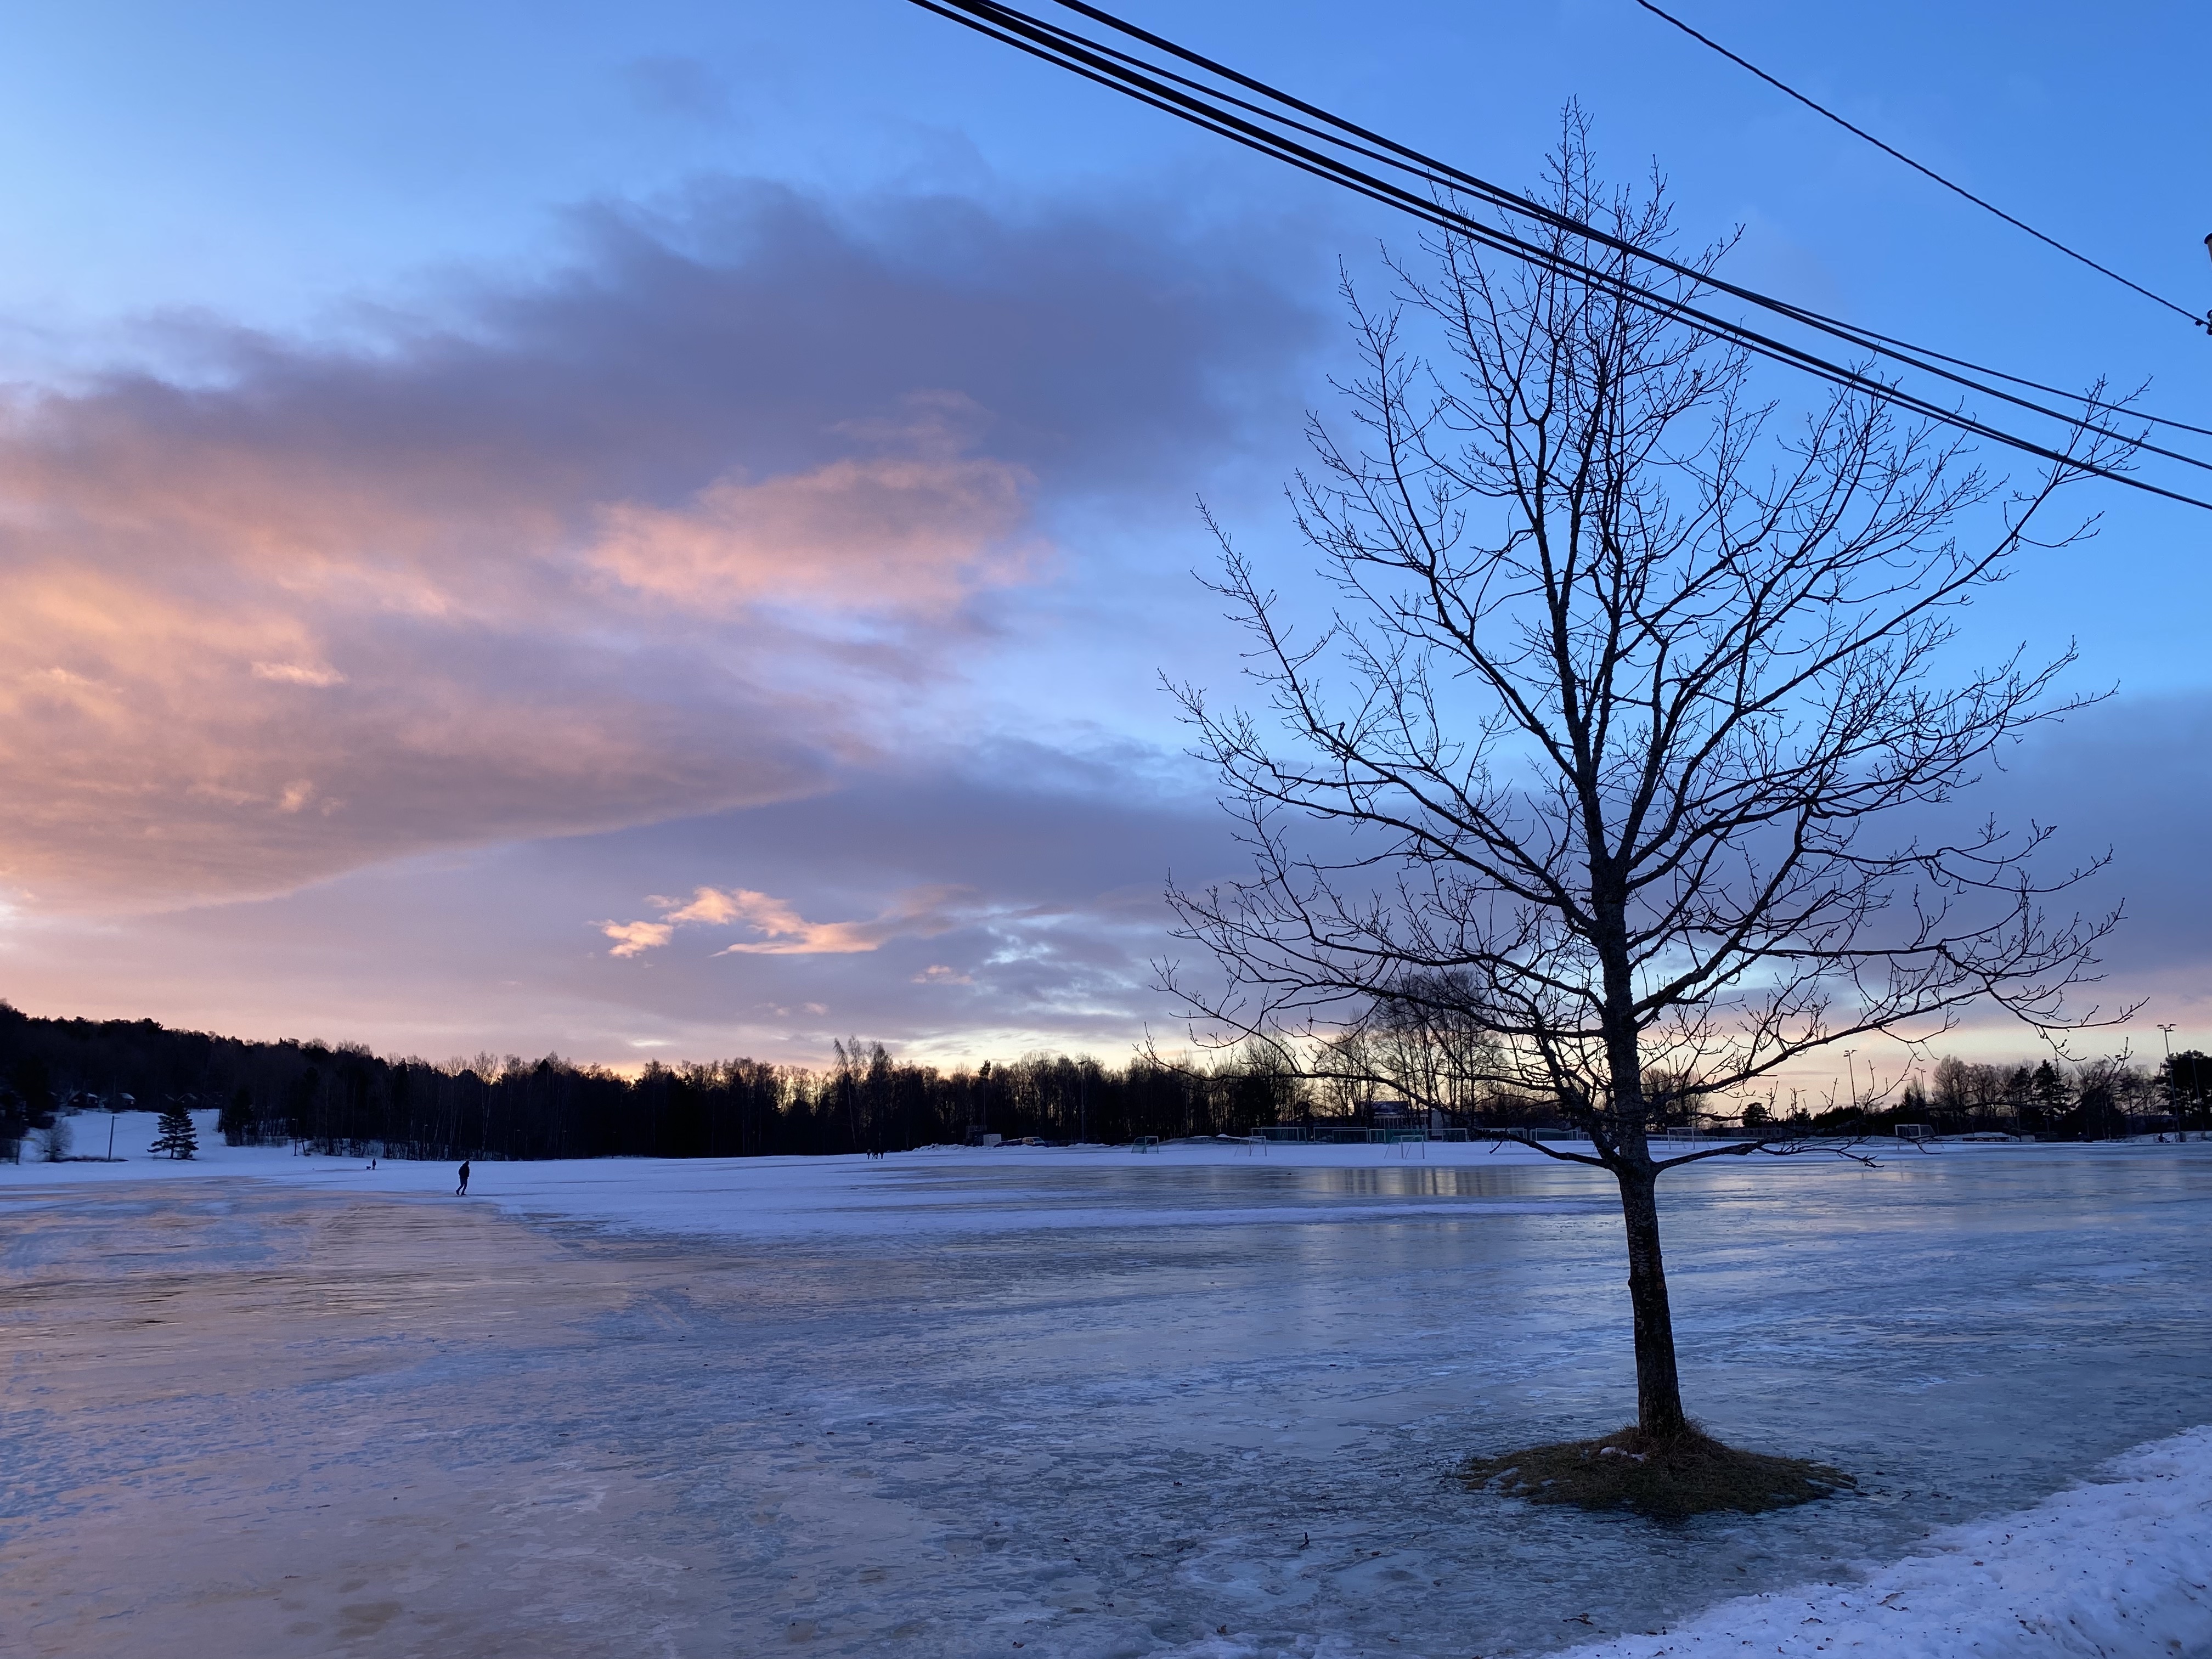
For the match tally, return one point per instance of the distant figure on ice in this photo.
(462, 1191)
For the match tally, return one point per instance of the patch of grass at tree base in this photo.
(1666, 1480)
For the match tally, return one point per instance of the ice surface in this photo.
(1104, 1404)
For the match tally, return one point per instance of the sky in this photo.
(657, 532)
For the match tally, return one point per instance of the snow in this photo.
(934, 1190)
(923, 1192)
(2119, 1567)
(1096, 1403)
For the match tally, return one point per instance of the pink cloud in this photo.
(166, 740)
(921, 529)
(636, 938)
(670, 532)
(920, 913)
(295, 673)
(855, 534)
(201, 654)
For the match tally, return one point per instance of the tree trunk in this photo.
(1658, 1387)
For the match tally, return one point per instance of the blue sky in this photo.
(311, 318)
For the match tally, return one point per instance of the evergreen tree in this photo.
(235, 1121)
(2048, 1098)
(178, 1138)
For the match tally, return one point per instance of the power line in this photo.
(1432, 171)
(1265, 130)
(2202, 322)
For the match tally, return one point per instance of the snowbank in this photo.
(2113, 1568)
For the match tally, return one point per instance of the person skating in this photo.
(462, 1191)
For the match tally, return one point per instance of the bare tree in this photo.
(1613, 762)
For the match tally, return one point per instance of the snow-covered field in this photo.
(1198, 1403)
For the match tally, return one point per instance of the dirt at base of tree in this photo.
(1666, 1480)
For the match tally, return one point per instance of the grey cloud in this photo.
(1062, 857)
(754, 325)
(2128, 777)
(1062, 860)
(498, 947)
(669, 83)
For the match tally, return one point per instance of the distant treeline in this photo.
(343, 1099)
(2099, 1100)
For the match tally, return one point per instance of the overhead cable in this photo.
(1433, 171)
(2198, 320)
(1268, 131)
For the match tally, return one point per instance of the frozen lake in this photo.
(1086, 1402)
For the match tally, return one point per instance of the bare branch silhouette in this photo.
(1613, 762)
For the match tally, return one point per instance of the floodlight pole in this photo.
(2166, 1035)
